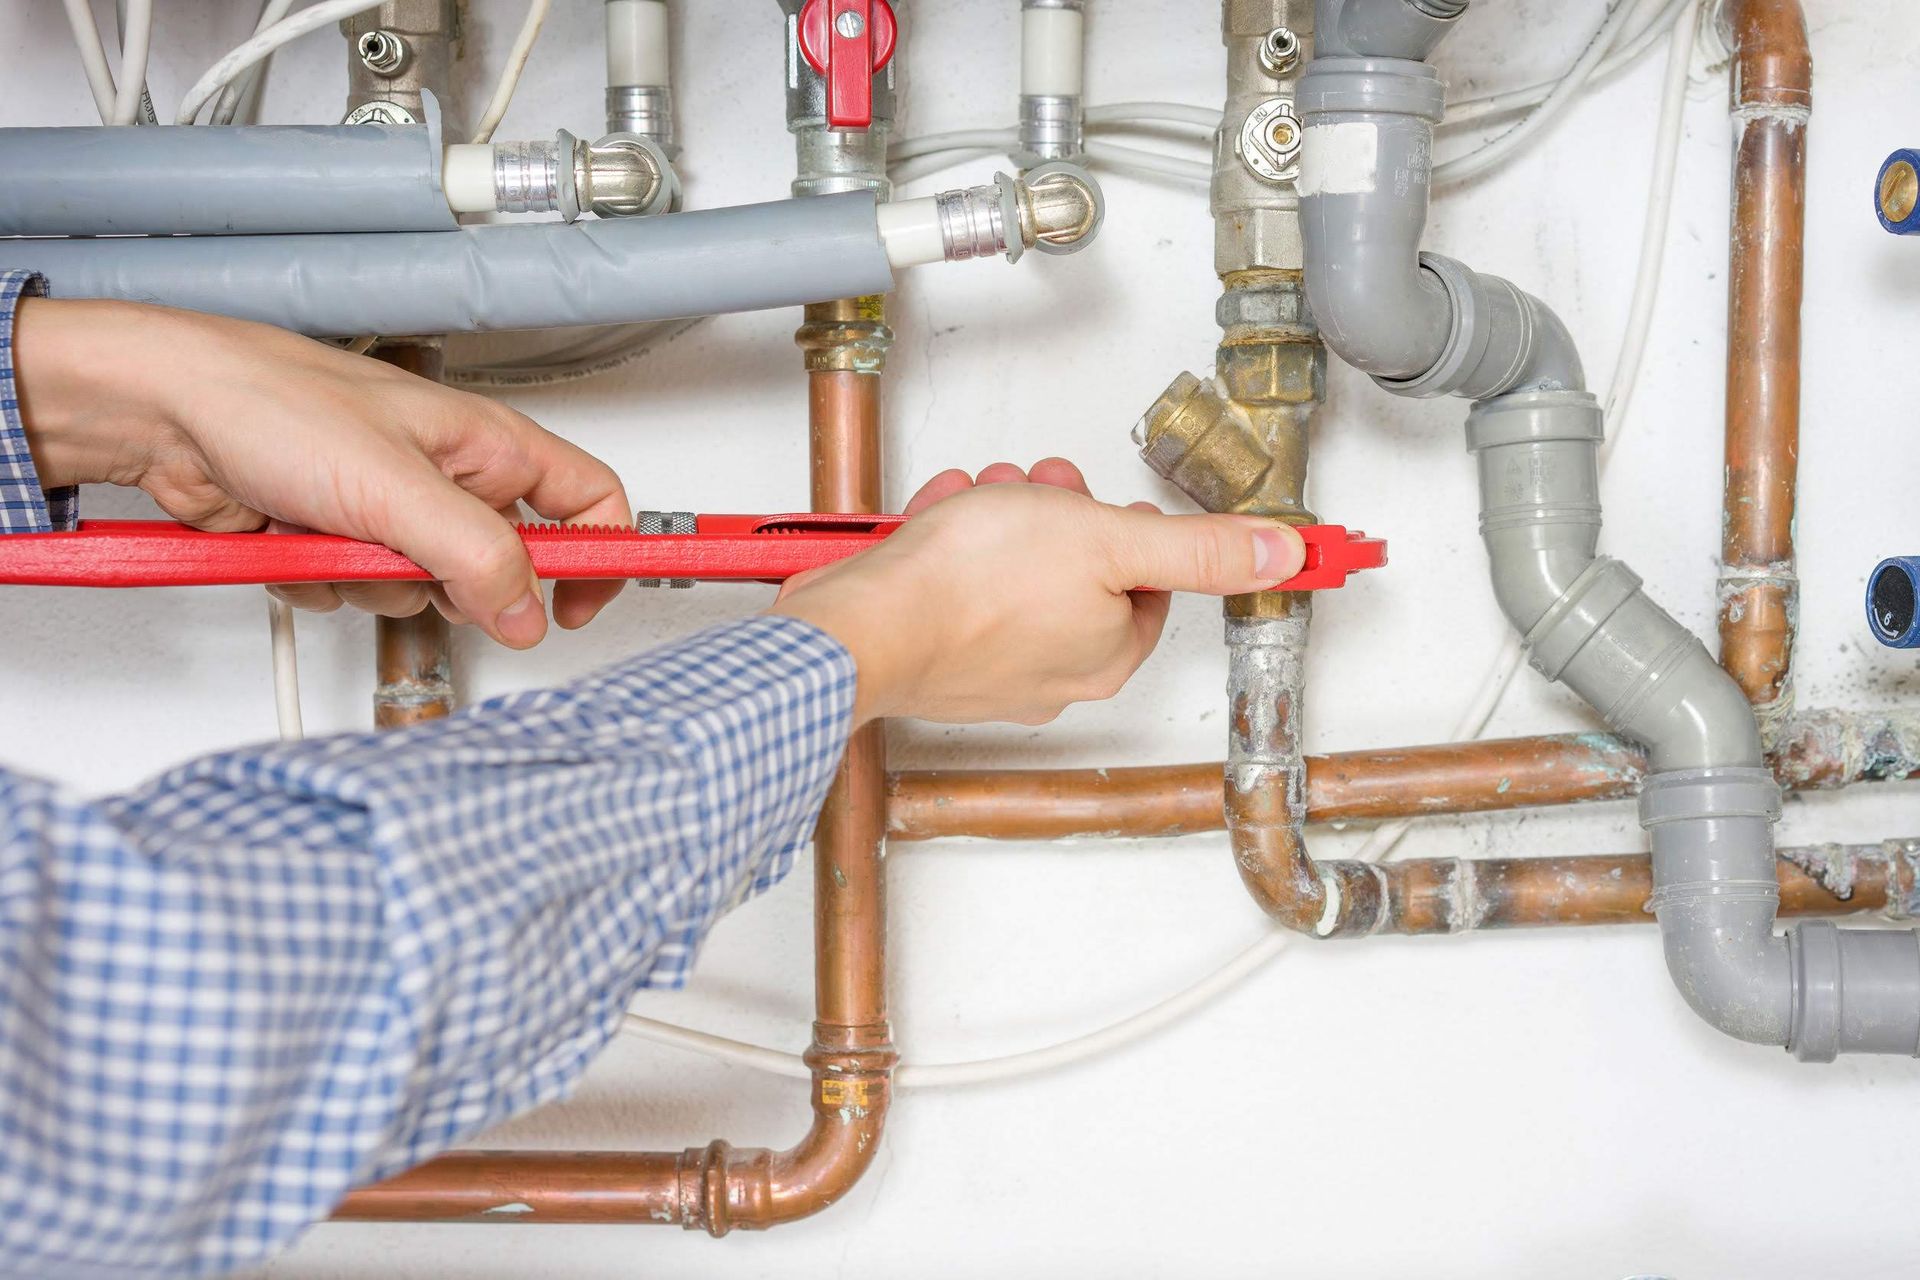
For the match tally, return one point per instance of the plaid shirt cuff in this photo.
(24, 506)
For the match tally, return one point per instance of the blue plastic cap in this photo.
(1892, 592)
(1896, 193)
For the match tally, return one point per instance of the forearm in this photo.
(310, 965)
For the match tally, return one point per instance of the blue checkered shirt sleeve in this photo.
(24, 507)
(278, 973)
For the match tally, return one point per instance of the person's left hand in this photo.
(231, 425)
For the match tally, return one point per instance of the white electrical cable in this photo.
(93, 57)
(286, 669)
(261, 44)
(1132, 159)
(953, 140)
(1653, 235)
(136, 42)
(237, 92)
(1153, 113)
(1507, 101)
(1485, 158)
(510, 74)
(1378, 846)
(556, 368)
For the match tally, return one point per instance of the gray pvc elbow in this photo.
(1421, 324)
(1384, 28)
(1715, 895)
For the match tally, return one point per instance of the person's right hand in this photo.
(1012, 597)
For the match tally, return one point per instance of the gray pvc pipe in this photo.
(215, 180)
(529, 276)
(1425, 325)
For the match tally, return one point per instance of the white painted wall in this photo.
(1517, 1105)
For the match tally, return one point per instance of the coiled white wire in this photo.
(1381, 844)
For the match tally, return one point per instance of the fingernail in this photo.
(1278, 553)
(522, 623)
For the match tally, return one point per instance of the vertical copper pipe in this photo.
(1759, 591)
(413, 656)
(718, 1187)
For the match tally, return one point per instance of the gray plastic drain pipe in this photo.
(1423, 325)
(613, 271)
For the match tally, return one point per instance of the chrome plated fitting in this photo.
(644, 110)
(1056, 208)
(621, 175)
(1052, 127)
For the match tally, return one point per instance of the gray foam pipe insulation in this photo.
(1423, 325)
(538, 275)
(272, 179)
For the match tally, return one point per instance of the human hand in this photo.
(231, 425)
(1010, 597)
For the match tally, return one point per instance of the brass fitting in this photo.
(849, 335)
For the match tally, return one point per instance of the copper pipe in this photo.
(1771, 104)
(1173, 800)
(1815, 751)
(718, 1187)
(413, 657)
(1456, 895)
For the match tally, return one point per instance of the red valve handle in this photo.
(1333, 552)
(847, 41)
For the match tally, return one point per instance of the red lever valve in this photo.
(848, 42)
(1333, 552)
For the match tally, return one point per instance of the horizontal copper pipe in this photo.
(1817, 750)
(531, 1186)
(1457, 895)
(1172, 800)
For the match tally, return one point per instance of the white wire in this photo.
(286, 669)
(510, 74)
(1133, 159)
(136, 41)
(1506, 101)
(238, 90)
(541, 374)
(1498, 151)
(1653, 235)
(1153, 113)
(260, 45)
(93, 57)
(953, 140)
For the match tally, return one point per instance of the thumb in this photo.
(1213, 555)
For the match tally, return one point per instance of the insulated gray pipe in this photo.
(1424, 325)
(215, 180)
(530, 276)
